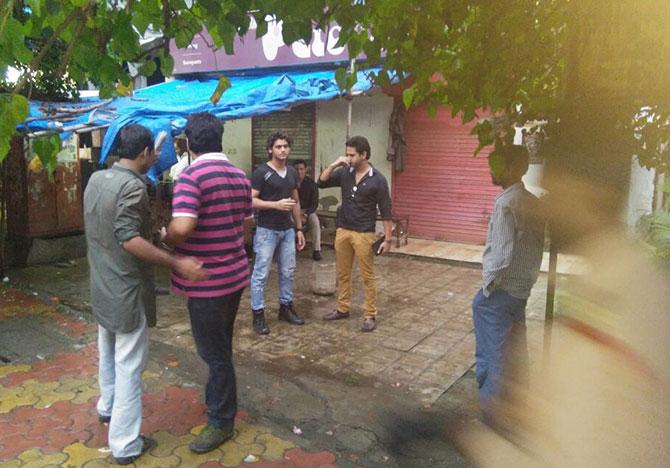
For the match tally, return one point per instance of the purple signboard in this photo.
(268, 51)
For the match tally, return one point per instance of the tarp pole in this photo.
(349, 118)
(660, 185)
(551, 294)
(351, 99)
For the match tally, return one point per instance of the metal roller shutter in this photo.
(446, 191)
(298, 123)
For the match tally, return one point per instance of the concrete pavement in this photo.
(389, 398)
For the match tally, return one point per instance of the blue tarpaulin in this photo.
(166, 106)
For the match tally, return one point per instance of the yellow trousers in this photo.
(347, 245)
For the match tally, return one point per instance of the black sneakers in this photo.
(316, 255)
(260, 325)
(369, 324)
(288, 314)
(147, 444)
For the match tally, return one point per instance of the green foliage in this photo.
(346, 78)
(523, 60)
(221, 87)
(14, 110)
(46, 149)
(478, 58)
(654, 229)
(408, 96)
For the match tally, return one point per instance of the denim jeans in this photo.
(212, 323)
(122, 357)
(500, 334)
(266, 241)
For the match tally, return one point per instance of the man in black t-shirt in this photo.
(274, 192)
(364, 191)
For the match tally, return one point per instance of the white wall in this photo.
(237, 143)
(640, 192)
(533, 179)
(370, 118)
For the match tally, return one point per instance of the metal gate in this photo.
(298, 123)
(445, 189)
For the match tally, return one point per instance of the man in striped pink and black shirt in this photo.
(212, 199)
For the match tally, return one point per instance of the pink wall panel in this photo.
(445, 189)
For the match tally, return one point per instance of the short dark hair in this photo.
(181, 145)
(360, 144)
(278, 136)
(132, 140)
(204, 132)
(300, 161)
(516, 157)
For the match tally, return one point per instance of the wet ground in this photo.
(387, 398)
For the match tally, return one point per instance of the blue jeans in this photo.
(212, 323)
(266, 241)
(500, 334)
(122, 357)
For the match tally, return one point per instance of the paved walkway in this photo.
(376, 399)
(423, 344)
(48, 395)
(472, 254)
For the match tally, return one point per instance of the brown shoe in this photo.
(369, 324)
(336, 315)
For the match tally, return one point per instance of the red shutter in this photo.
(445, 189)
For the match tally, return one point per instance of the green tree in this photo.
(575, 63)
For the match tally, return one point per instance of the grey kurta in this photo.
(116, 209)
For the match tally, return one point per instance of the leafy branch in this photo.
(35, 63)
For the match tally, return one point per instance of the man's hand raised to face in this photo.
(341, 161)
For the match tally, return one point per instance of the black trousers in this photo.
(212, 324)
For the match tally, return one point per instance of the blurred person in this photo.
(510, 266)
(602, 396)
(212, 199)
(183, 158)
(364, 191)
(120, 255)
(274, 191)
(309, 202)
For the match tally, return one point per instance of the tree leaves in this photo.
(341, 77)
(12, 43)
(221, 87)
(149, 68)
(183, 38)
(46, 149)
(408, 96)
(167, 64)
(502, 57)
(14, 110)
(346, 78)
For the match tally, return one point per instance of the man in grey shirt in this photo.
(120, 256)
(511, 263)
